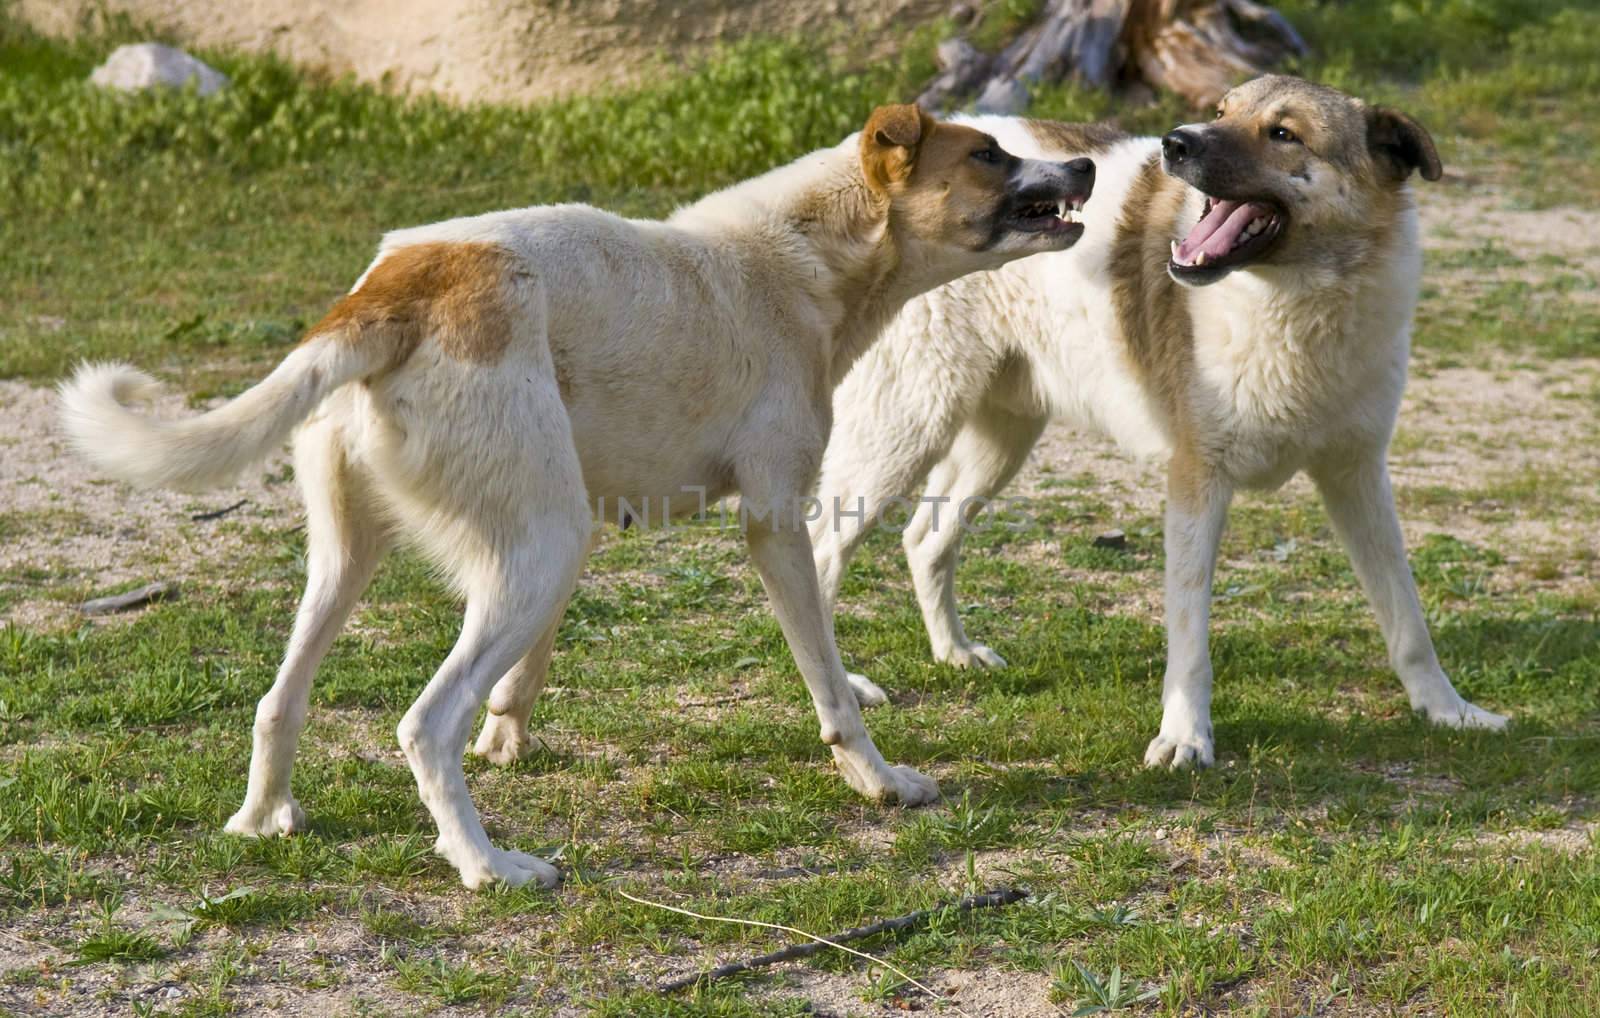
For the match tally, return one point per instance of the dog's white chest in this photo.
(1277, 381)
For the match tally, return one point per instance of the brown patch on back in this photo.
(1153, 316)
(451, 293)
(1074, 139)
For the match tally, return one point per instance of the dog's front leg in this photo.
(1197, 508)
(782, 553)
(1361, 505)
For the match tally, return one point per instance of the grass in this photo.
(1341, 858)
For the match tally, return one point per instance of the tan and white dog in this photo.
(1239, 307)
(490, 381)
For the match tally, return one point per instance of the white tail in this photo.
(209, 449)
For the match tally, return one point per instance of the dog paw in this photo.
(909, 787)
(267, 820)
(508, 867)
(1467, 715)
(1180, 751)
(504, 739)
(868, 693)
(867, 773)
(974, 655)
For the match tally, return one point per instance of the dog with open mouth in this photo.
(1239, 308)
(490, 381)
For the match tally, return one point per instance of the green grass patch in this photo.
(1342, 855)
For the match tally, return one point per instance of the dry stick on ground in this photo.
(990, 899)
(217, 514)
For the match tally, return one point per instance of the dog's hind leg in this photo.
(988, 451)
(518, 590)
(508, 519)
(505, 737)
(1360, 503)
(344, 542)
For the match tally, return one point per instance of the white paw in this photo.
(974, 655)
(910, 788)
(1180, 751)
(509, 867)
(503, 740)
(867, 773)
(1466, 715)
(868, 693)
(266, 820)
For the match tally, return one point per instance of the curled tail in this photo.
(209, 449)
(452, 292)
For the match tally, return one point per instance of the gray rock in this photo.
(146, 65)
(1114, 539)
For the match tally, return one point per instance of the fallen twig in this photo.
(990, 899)
(217, 514)
(158, 591)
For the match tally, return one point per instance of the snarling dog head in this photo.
(955, 194)
(1291, 172)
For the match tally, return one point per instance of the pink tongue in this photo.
(1218, 231)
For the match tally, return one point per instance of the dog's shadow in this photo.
(1366, 757)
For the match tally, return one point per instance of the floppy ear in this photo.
(1401, 144)
(889, 144)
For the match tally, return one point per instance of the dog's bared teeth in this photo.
(1176, 257)
(1199, 259)
(1256, 226)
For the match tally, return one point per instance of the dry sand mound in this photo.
(496, 50)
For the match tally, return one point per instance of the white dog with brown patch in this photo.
(1242, 316)
(490, 380)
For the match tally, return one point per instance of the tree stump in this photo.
(1195, 48)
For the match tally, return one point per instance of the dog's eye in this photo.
(1219, 113)
(1282, 134)
(986, 155)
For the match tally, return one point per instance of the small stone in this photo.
(1115, 539)
(145, 65)
(1161, 834)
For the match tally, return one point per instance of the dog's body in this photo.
(490, 382)
(1286, 351)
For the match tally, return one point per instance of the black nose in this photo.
(1180, 145)
(1081, 168)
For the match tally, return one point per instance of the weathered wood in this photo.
(1196, 48)
(1201, 48)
